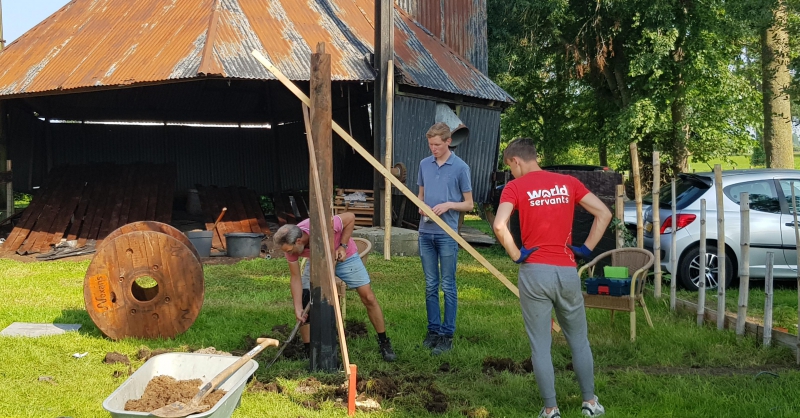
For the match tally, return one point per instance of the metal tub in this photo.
(183, 366)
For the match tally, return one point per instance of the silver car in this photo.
(771, 224)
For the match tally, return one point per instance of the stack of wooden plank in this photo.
(362, 209)
(243, 212)
(87, 202)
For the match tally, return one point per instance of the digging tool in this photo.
(288, 340)
(214, 227)
(395, 182)
(180, 409)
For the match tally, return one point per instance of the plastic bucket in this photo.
(244, 244)
(201, 241)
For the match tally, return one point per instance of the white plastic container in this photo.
(183, 366)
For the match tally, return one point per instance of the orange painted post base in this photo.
(351, 393)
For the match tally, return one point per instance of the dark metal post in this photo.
(323, 323)
(384, 51)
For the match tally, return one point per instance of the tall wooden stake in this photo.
(384, 51)
(387, 222)
(673, 254)
(744, 271)
(701, 282)
(2, 39)
(619, 208)
(768, 281)
(797, 265)
(721, 282)
(325, 304)
(656, 224)
(637, 190)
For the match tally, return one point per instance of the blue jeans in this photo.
(435, 251)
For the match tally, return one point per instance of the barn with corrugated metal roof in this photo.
(174, 82)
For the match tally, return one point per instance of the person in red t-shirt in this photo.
(294, 239)
(547, 276)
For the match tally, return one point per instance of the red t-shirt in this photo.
(338, 227)
(546, 204)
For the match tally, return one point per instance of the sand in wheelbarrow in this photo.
(164, 390)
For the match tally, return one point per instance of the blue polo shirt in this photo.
(447, 183)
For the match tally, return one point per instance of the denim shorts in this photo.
(351, 271)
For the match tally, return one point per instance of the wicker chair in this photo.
(638, 261)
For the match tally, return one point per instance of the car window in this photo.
(688, 188)
(786, 186)
(763, 196)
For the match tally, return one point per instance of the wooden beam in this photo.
(325, 310)
(637, 193)
(387, 218)
(384, 52)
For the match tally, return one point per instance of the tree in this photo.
(776, 81)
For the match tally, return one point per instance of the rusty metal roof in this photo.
(90, 44)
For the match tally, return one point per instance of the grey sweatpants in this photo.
(543, 287)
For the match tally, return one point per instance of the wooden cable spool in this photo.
(153, 226)
(143, 284)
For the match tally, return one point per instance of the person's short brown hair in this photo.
(524, 148)
(439, 129)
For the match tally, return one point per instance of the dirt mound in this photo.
(437, 401)
(146, 354)
(114, 358)
(257, 387)
(385, 387)
(495, 364)
(355, 329)
(164, 390)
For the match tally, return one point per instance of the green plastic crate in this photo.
(612, 272)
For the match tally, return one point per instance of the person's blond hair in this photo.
(439, 129)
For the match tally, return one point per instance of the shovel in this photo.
(180, 409)
(288, 340)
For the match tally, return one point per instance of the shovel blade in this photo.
(178, 410)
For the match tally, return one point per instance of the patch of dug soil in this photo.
(114, 358)
(355, 329)
(211, 350)
(499, 365)
(309, 386)
(437, 401)
(164, 390)
(264, 387)
(527, 365)
(145, 353)
(384, 387)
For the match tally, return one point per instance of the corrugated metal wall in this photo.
(413, 117)
(207, 156)
(461, 24)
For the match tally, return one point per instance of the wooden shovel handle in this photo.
(208, 387)
(219, 218)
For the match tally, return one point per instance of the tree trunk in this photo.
(680, 129)
(776, 79)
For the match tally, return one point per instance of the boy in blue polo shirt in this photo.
(445, 186)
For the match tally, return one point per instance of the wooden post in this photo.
(656, 224)
(797, 265)
(637, 192)
(323, 305)
(701, 282)
(387, 223)
(2, 39)
(673, 254)
(9, 193)
(768, 300)
(744, 270)
(384, 51)
(721, 282)
(620, 213)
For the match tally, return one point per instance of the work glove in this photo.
(582, 252)
(524, 253)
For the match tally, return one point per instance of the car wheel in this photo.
(689, 270)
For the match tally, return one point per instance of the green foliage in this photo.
(758, 158)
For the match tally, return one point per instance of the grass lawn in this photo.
(736, 162)
(674, 370)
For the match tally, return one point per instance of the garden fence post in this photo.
(797, 265)
(673, 251)
(744, 270)
(620, 212)
(655, 209)
(768, 300)
(637, 192)
(701, 279)
(721, 274)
